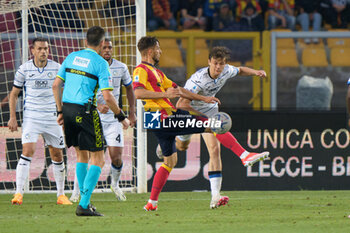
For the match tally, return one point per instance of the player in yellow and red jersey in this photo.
(155, 89)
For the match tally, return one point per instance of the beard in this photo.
(156, 61)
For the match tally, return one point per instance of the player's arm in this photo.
(132, 100)
(57, 93)
(12, 123)
(142, 93)
(112, 104)
(245, 71)
(193, 96)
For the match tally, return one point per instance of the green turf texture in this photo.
(247, 211)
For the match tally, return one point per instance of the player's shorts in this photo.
(113, 133)
(209, 112)
(166, 136)
(52, 134)
(83, 130)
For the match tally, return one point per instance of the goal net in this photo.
(65, 24)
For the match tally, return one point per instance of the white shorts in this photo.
(113, 133)
(208, 112)
(52, 134)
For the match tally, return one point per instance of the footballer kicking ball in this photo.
(225, 125)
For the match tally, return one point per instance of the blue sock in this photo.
(81, 171)
(89, 185)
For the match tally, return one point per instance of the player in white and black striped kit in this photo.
(112, 128)
(36, 76)
(207, 82)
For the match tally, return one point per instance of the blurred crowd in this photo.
(247, 15)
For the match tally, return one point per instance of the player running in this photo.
(112, 128)
(39, 117)
(207, 82)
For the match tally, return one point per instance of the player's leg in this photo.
(116, 171)
(76, 191)
(113, 134)
(22, 170)
(182, 143)
(215, 170)
(53, 136)
(59, 174)
(160, 178)
(247, 158)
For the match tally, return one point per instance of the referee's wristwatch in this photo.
(59, 112)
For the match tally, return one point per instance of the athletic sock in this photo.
(115, 174)
(76, 189)
(90, 182)
(230, 142)
(22, 172)
(81, 171)
(159, 181)
(215, 179)
(58, 173)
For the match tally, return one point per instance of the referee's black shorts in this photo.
(82, 129)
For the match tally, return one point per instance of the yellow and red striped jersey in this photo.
(152, 79)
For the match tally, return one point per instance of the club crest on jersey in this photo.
(83, 62)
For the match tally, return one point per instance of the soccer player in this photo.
(112, 129)
(83, 73)
(155, 89)
(39, 117)
(208, 81)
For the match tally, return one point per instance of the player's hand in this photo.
(102, 108)
(132, 119)
(60, 119)
(172, 92)
(261, 73)
(126, 123)
(12, 124)
(212, 100)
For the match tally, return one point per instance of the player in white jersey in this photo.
(112, 128)
(39, 117)
(208, 81)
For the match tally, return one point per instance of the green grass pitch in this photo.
(248, 211)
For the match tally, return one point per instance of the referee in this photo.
(83, 73)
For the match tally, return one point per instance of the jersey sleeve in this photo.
(126, 78)
(193, 84)
(167, 83)
(140, 78)
(19, 77)
(62, 71)
(234, 71)
(104, 77)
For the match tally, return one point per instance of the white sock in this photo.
(76, 190)
(244, 154)
(22, 173)
(215, 186)
(115, 174)
(59, 174)
(154, 203)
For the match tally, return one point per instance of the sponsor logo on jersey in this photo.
(83, 62)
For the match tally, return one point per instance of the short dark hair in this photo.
(147, 42)
(220, 52)
(95, 35)
(108, 40)
(40, 39)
